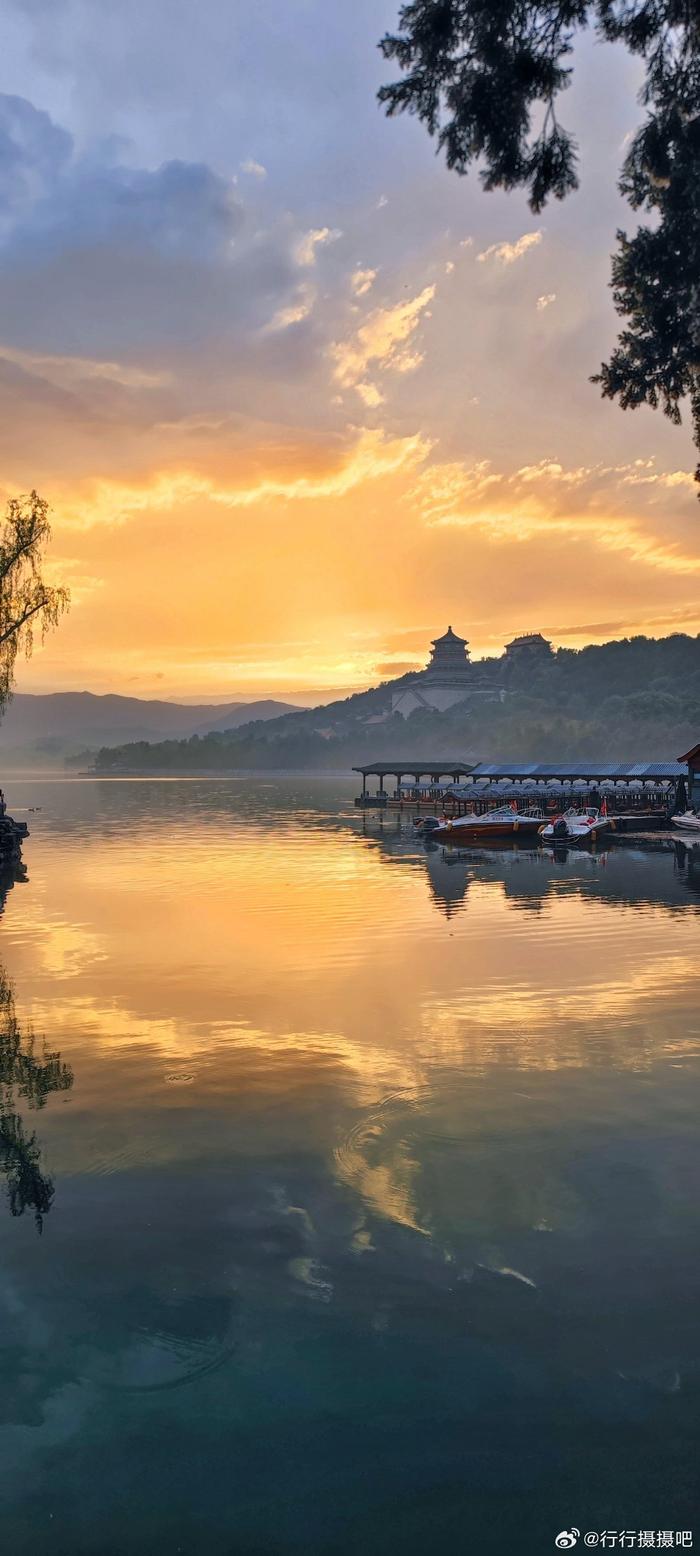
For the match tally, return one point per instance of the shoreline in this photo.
(54, 775)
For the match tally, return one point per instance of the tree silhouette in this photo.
(28, 1076)
(484, 76)
(27, 603)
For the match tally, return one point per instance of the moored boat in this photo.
(501, 823)
(689, 821)
(576, 826)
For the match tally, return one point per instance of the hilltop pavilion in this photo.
(527, 646)
(448, 679)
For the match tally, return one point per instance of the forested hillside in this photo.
(633, 698)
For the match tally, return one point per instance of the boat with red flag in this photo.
(577, 826)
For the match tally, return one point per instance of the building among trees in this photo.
(529, 645)
(448, 680)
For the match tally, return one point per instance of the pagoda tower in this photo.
(449, 656)
(449, 679)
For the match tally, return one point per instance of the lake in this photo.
(352, 1188)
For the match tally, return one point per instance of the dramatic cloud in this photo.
(218, 392)
(521, 505)
(382, 340)
(142, 312)
(55, 200)
(508, 253)
(372, 457)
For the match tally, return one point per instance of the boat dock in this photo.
(638, 795)
(420, 793)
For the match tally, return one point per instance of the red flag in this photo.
(604, 807)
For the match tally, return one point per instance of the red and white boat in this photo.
(506, 821)
(576, 826)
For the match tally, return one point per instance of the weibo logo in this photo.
(567, 1538)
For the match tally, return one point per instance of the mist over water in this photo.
(364, 1198)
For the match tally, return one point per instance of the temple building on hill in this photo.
(449, 655)
(448, 679)
(525, 647)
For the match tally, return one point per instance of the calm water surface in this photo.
(356, 1188)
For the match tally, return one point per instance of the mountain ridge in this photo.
(50, 726)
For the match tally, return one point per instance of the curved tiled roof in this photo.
(449, 637)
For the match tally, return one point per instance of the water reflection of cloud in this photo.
(622, 1021)
(65, 949)
(385, 1180)
(239, 983)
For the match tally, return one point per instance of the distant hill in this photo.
(46, 729)
(635, 698)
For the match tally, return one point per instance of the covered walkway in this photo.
(460, 786)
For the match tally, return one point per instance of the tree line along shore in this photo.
(636, 696)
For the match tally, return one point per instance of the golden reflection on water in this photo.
(366, 1176)
(306, 966)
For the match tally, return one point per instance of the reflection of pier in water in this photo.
(665, 875)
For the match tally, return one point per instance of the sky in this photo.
(298, 396)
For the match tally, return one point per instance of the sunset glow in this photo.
(297, 395)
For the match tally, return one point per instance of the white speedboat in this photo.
(688, 822)
(575, 826)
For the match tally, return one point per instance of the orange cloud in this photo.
(508, 253)
(333, 567)
(382, 340)
(373, 456)
(176, 377)
(519, 507)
